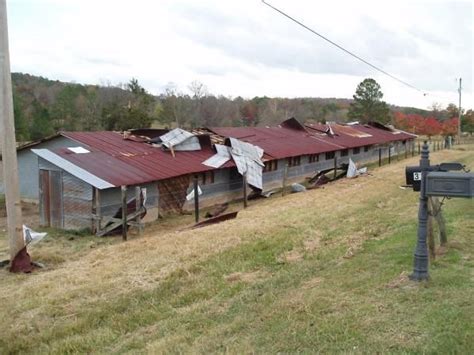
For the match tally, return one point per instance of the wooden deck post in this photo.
(285, 176)
(138, 206)
(124, 212)
(98, 212)
(380, 156)
(335, 166)
(196, 199)
(244, 178)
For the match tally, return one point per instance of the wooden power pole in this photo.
(459, 124)
(7, 137)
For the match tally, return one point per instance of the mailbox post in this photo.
(433, 180)
(420, 267)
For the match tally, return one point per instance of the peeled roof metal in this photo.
(119, 161)
(125, 162)
(280, 142)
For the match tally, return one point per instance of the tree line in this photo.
(43, 107)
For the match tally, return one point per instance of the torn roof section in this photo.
(129, 159)
(180, 140)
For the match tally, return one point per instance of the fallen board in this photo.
(214, 220)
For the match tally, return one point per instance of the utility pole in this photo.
(7, 136)
(459, 125)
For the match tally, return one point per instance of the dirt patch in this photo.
(249, 277)
(312, 283)
(311, 244)
(400, 281)
(290, 256)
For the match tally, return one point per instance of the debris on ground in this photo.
(297, 188)
(352, 170)
(214, 220)
(217, 210)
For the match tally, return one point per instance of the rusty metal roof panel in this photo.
(125, 162)
(279, 142)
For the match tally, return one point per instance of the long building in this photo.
(77, 176)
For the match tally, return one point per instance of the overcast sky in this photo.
(244, 48)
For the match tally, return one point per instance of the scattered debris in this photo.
(220, 158)
(114, 226)
(214, 220)
(352, 170)
(297, 188)
(190, 196)
(180, 140)
(32, 237)
(248, 159)
(21, 262)
(217, 210)
(321, 180)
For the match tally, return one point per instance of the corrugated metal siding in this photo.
(111, 199)
(77, 203)
(28, 165)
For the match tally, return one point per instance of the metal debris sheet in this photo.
(179, 139)
(247, 158)
(220, 158)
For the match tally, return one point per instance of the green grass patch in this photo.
(310, 273)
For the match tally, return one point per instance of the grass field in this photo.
(320, 271)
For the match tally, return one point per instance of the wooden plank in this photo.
(124, 211)
(138, 205)
(245, 189)
(196, 199)
(117, 222)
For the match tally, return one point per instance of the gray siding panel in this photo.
(28, 166)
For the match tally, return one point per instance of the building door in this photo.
(50, 191)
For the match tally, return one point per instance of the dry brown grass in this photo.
(122, 268)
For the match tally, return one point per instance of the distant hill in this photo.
(43, 106)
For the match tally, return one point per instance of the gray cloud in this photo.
(258, 41)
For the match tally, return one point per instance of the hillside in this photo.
(320, 271)
(44, 106)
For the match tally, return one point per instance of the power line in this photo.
(343, 49)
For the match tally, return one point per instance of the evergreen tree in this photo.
(41, 126)
(368, 104)
(21, 125)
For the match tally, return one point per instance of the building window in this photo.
(270, 165)
(366, 148)
(330, 155)
(313, 158)
(294, 161)
(344, 153)
(356, 150)
(206, 178)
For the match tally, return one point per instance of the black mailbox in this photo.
(413, 173)
(450, 184)
(413, 177)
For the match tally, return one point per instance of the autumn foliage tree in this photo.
(428, 126)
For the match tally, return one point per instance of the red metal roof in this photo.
(358, 135)
(125, 162)
(279, 142)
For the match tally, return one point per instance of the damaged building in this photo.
(78, 175)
